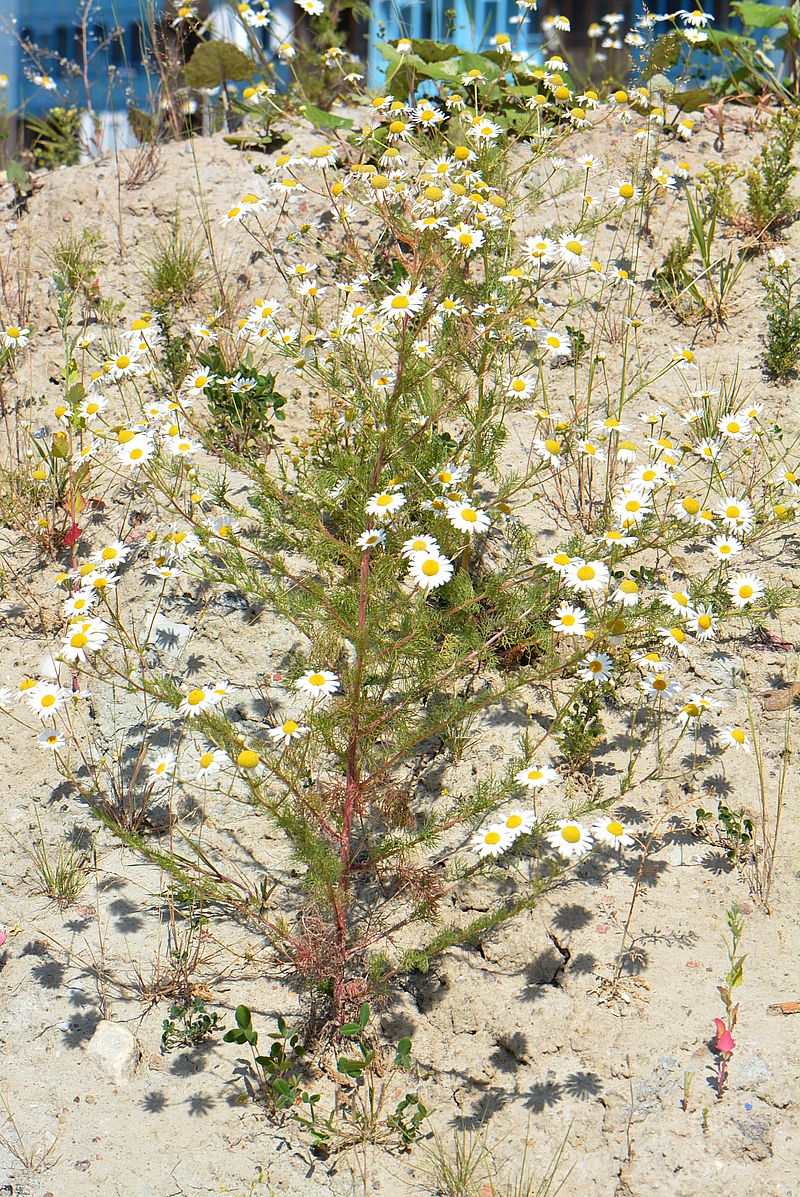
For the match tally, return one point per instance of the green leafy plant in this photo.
(770, 203)
(730, 829)
(243, 410)
(782, 291)
(187, 1026)
(56, 137)
(724, 1043)
(360, 1113)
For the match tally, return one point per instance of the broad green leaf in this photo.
(762, 16)
(217, 62)
(324, 120)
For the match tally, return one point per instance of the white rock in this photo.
(115, 1049)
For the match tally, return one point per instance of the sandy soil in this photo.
(516, 1036)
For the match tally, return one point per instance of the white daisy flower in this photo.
(745, 589)
(597, 668)
(288, 730)
(534, 776)
(430, 570)
(610, 831)
(383, 504)
(466, 518)
(570, 620)
(318, 683)
(570, 839)
(493, 841)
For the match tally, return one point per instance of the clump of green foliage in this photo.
(175, 272)
(782, 290)
(187, 1025)
(769, 200)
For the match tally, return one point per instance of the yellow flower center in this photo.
(492, 837)
(614, 828)
(247, 758)
(704, 622)
(399, 302)
(48, 700)
(691, 506)
(737, 734)
(195, 697)
(568, 620)
(469, 514)
(553, 446)
(746, 590)
(206, 759)
(627, 190)
(571, 833)
(383, 500)
(430, 567)
(586, 573)
(123, 361)
(678, 634)
(79, 640)
(574, 247)
(513, 821)
(628, 586)
(317, 679)
(289, 726)
(732, 511)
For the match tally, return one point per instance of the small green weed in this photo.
(187, 1026)
(782, 289)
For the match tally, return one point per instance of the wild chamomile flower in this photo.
(659, 685)
(14, 337)
(83, 637)
(419, 544)
(371, 538)
(519, 822)
(725, 547)
(111, 554)
(494, 841)
(627, 593)
(560, 562)
(539, 251)
(80, 604)
(287, 731)
(703, 623)
(570, 620)
(45, 698)
(520, 386)
(407, 300)
(210, 761)
(535, 776)
(318, 683)
(161, 768)
(198, 699)
(691, 713)
(465, 238)
(466, 518)
(675, 638)
(734, 736)
(736, 513)
(137, 451)
(573, 250)
(570, 839)
(52, 739)
(624, 191)
(679, 601)
(745, 589)
(609, 830)
(384, 504)
(555, 344)
(430, 569)
(597, 668)
(590, 576)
